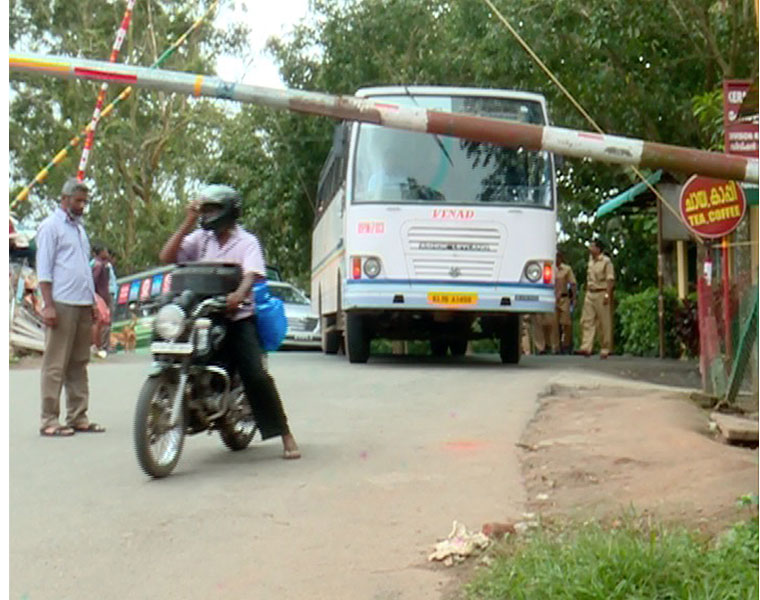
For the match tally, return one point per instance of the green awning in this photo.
(751, 193)
(628, 195)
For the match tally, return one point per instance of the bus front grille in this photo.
(453, 268)
(466, 253)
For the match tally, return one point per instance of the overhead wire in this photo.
(579, 107)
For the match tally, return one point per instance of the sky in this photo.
(264, 19)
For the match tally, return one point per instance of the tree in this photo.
(147, 155)
(635, 66)
(274, 160)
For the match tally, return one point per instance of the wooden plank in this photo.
(736, 429)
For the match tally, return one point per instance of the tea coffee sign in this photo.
(712, 208)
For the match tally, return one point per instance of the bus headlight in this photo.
(169, 322)
(372, 267)
(533, 271)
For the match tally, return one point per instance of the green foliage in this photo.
(632, 561)
(274, 159)
(149, 153)
(638, 68)
(611, 55)
(380, 346)
(639, 329)
(708, 110)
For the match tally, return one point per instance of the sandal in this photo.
(89, 428)
(56, 431)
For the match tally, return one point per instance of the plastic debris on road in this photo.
(459, 544)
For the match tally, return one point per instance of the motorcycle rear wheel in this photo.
(239, 427)
(157, 446)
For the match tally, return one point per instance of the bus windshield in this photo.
(393, 166)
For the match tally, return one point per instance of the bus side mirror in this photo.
(559, 162)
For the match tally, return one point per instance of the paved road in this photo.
(394, 451)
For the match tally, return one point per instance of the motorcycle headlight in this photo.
(169, 322)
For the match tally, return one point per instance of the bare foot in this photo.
(290, 448)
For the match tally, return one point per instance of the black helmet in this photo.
(227, 198)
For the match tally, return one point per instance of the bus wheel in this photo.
(330, 337)
(438, 348)
(509, 341)
(357, 338)
(458, 347)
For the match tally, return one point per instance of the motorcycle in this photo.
(189, 389)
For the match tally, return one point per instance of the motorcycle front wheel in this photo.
(239, 427)
(158, 445)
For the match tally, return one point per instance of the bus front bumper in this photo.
(462, 296)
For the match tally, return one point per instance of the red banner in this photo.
(123, 293)
(712, 208)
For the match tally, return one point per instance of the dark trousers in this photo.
(243, 354)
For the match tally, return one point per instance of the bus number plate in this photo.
(452, 298)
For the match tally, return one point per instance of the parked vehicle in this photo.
(138, 299)
(189, 389)
(303, 323)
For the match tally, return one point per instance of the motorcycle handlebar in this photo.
(215, 302)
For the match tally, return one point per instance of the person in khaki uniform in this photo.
(535, 330)
(597, 305)
(525, 334)
(543, 332)
(565, 287)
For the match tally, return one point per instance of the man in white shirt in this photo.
(68, 291)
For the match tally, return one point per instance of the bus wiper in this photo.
(435, 135)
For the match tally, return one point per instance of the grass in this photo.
(635, 560)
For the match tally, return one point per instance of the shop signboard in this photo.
(712, 208)
(740, 135)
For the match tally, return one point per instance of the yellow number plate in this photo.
(452, 298)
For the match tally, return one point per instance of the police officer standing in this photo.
(565, 287)
(597, 305)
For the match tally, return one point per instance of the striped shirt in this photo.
(63, 259)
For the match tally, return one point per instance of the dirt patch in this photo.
(603, 451)
(599, 452)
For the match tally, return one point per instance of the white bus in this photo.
(425, 237)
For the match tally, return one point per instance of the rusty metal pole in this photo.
(725, 257)
(660, 282)
(568, 142)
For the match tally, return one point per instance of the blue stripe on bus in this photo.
(547, 286)
(328, 257)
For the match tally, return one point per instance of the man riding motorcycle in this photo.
(221, 239)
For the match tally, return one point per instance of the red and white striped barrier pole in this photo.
(120, 35)
(568, 142)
